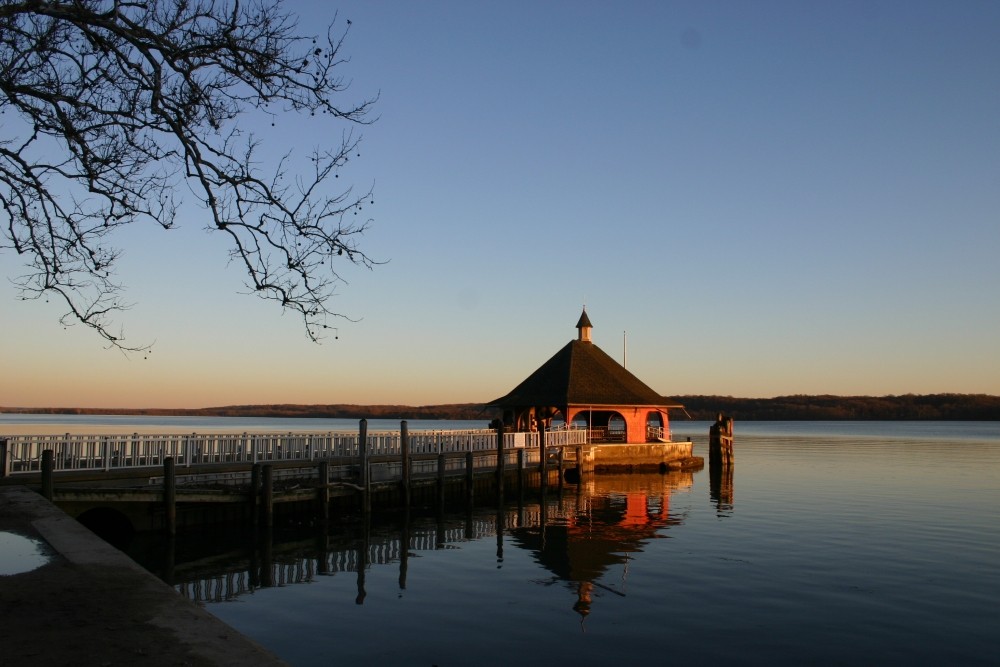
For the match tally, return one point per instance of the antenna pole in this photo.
(624, 349)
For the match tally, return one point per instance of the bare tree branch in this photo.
(123, 102)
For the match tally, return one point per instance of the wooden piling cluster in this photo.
(720, 441)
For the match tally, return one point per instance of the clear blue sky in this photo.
(768, 197)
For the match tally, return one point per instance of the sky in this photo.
(750, 198)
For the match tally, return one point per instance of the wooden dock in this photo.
(160, 482)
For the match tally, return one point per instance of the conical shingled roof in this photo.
(582, 374)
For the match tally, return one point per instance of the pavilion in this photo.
(583, 385)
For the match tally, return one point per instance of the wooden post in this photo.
(255, 494)
(560, 469)
(442, 462)
(520, 471)
(404, 446)
(170, 495)
(542, 467)
(470, 477)
(364, 473)
(3, 458)
(324, 490)
(521, 456)
(48, 466)
(500, 455)
(720, 441)
(267, 506)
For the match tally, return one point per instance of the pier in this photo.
(162, 481)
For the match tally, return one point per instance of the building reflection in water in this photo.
(599, 531)
(586, 536)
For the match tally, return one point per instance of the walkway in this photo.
(92, 605)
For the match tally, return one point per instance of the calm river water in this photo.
(831, 543)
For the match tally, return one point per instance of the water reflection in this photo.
(721, 488)
(600, 530)
(580, 535)
(20, 554)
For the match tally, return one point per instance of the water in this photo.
(830, 544)
(19, 554)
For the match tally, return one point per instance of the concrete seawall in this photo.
(79, 601)
(634, 457)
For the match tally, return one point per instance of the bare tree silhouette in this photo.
(111, 108)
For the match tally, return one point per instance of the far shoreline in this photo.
(907, 407)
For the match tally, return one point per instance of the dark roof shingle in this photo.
(582, 374)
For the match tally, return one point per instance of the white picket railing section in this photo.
(136, 450)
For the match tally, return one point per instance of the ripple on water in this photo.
(20, 554)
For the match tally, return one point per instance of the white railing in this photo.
(560, 437)
(111, 452)
(566, 437)
(657, 433)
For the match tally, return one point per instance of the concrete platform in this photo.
(72, 599)
(617, 457)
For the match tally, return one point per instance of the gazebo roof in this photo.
(582, 374)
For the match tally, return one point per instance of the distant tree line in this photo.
(338, 411)
(933, 407)
(957, 407)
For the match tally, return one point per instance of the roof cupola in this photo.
(584, 327)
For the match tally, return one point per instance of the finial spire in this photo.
(584, 326)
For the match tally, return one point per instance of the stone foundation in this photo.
(649, 456)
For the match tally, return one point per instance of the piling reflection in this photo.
(721, 488)
(586, 538)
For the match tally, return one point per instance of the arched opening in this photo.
(557, 420)
(654, 426)
(110, 525)
(617, 428)
(604, 425)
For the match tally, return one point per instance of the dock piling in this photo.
(324, 490)
(255, 494)
(267, 492)
(404, 447)
(500, 456)
(170, 495)
(520, 471)
(542, 462)
(560, 460)
(48, 466)
(364, 472)
(720, 441)
(470, 475)
(442, 462)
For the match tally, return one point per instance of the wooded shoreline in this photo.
(908, 407)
